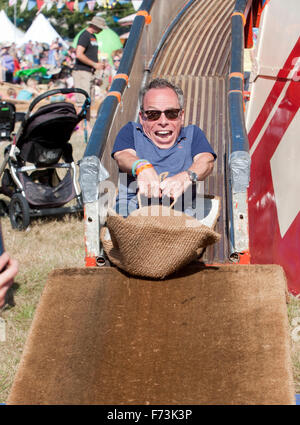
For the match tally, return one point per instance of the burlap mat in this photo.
(208, 335)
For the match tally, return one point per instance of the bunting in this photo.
(74, 5)
(60, 5)
(81, 6)
(49, 5)
(91, 4)
(23, 5)
(70, 5)
(31, 4)
(109, 3)
(40, 4)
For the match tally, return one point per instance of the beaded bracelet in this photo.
(134, 165)
(143, 167)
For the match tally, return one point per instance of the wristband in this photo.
(134, 165)
(140, 164)
(143, 167)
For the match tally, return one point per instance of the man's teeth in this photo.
(163, 132)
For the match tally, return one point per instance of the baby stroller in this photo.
(41, 146)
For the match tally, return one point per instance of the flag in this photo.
(81, 5)
(39, 4)
(23, 5)
(31, 4)
(60, 5)
(91, 4)
(70, 5)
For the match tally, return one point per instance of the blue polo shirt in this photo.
(179, 157)
(126, 140)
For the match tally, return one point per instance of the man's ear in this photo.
(141, 117)
(182, 117)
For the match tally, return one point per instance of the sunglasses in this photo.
(154, 115)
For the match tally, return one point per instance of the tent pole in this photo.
(15, 19)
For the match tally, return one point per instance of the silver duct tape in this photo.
(91, 173)
(239, 164)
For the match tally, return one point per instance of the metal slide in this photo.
(190, 44)
(196, 56)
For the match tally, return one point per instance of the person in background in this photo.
(9, 269)
(51, 54)
(17, 68)
(29, 89)
(116, 58)
(7, 63)
(36, 49)
(87, 58)
(28, 53)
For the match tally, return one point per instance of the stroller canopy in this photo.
(51, 125)
(46, 133)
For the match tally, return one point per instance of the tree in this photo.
(67, 23)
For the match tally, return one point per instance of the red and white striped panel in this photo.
(273, 125)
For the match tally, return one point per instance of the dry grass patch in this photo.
(46, 245)
(294, 320)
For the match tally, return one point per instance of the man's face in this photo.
(96, 30)
(163, 132)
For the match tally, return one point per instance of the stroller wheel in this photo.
(19, 212)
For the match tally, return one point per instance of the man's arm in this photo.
(125, 159)
(147, 180)
(84, 59)
(203, 165)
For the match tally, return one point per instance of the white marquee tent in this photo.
(42, 31)
(9, 33)
(127, 20)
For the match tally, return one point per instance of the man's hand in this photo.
(99, 66)
(173, 187)
(80, 54)
(148, 183)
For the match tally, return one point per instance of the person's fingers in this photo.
(143, 188)
(172, 189)
(163, 184)
(3, 291)
(9, 272)
(4, 258)
(148, 183)
(155, 190)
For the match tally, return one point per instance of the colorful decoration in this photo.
(74, 5)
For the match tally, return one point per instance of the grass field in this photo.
(53, 244)
(46, 245)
